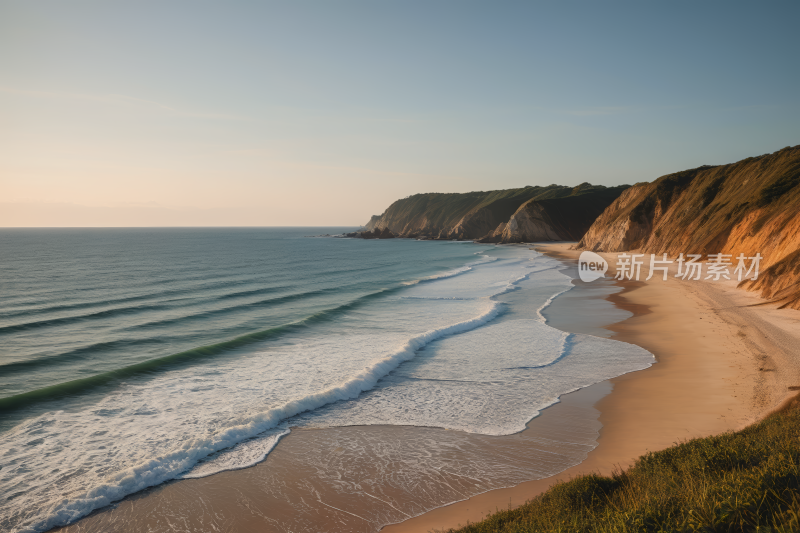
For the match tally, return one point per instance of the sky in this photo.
(323, 113)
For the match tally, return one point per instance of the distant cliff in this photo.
(529, 214)
(563, 218)
(745, 207)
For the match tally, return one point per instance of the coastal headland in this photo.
(725, 357)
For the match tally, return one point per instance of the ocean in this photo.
(132, 357)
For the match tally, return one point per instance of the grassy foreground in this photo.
(743, 481)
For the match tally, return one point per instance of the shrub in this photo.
(743, 481)
(779, 188)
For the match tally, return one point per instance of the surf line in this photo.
(170, 465)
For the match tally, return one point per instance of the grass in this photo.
(738, 481)
(780, 187)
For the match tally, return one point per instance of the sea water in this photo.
(132, 357)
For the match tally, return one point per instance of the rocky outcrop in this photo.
(374, 234)
(745, 207)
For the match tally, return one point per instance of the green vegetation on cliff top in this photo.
(738, 481)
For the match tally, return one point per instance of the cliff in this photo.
(554, 212)
(373, 221)
(565, 218)
(745, 207)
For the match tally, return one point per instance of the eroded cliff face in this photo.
(475, 223)
(457, 216)
(373, 221)
(530, 214)
(615, 230)
(566, 218)
(529, 224)
(745, 207)
(779, 282)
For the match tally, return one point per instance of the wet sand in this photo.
(720, 366)
(297, 488)
(706, 381)
(359, 478)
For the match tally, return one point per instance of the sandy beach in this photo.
(720, 366)
(284, 268)
(724, 361)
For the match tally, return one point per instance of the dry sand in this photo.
(722, 364)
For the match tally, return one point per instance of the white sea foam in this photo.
(431, 356)
(457, 271)
(243, 455)
(435, 298)
(549, 301)
(168, 464)
(496, 378)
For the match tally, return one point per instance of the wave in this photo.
(179, 462)
(436, 298)
(238, 462)
(549, 301)
(454, 272)
(191, 356)
(152, 285)
(107, 313)
(567, 341)
(139, 297)
(121, 311)
(253, 292)
(460, 270)
(288, 298)
(512, 285)
(220, 282)
(164, 305)
(77, 354)
(166, 467)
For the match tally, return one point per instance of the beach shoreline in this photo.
(297, 482)
(719, 394)
(682, 396)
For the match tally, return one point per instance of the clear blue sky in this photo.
(323, 113)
